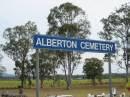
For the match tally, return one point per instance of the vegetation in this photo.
(117, 26)
(68, 20)
(80, 88)
(18, 45)
(2, 68)
(47, 64)
(93, 68)
(14, 83)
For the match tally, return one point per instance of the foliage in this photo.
(117, 26)
(128, 85)
(46, 64)
(2, 68)
(18, 45)
(68, 20)
(93, 68)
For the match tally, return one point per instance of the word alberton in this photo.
(51, 42)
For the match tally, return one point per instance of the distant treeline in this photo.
(104, 76)
(78, 77)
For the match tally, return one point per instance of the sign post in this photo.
(69, 44)
(110, 81)
(37, 74)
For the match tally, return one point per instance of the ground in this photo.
(79, 88)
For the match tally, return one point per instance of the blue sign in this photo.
(61, 43)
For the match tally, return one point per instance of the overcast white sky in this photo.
(17, 12)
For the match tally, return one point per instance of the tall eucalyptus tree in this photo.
(68, 20)
(19, 44)
(117, 26)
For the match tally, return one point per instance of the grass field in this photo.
(80, 88)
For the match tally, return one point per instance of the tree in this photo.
(68, 20)
(45, 64)
(19, 44)
(29, 71)
(93, 69)
(117, 26)
(54, 61)
(2, 68)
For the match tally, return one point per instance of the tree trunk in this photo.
(127, 74)
(126, 65)
(41, 83)
(22, 82)
(100, 80)
(68, 85)
(29, 82)
(54, 76)
(127, 59)
(22, 76)
(66, 80)
(54, 81)
(93, 82)
(69, 72)
(67, 75)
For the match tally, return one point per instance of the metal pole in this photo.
(110, 81)
(37, 74)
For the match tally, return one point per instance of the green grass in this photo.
(80, 88)
(59, 83)
(9, 83)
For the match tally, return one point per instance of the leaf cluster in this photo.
(93, 68)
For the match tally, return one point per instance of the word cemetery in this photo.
(50, 42)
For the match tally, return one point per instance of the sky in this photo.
(18, 12)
